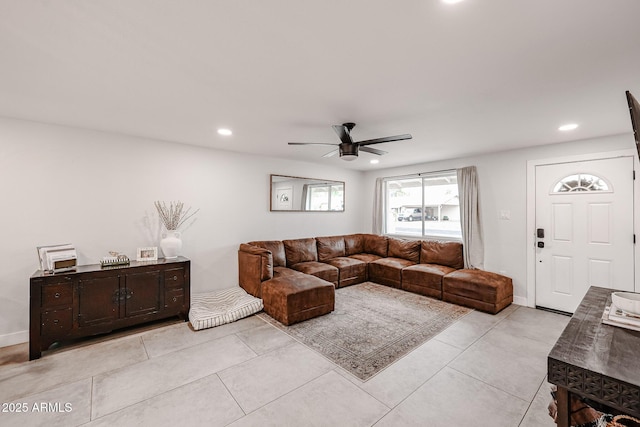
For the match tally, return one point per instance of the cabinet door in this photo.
(142, 293)
(98, 300)
(56, 323)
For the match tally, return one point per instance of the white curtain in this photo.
(378, 207)
(473, 245)
(305, 195)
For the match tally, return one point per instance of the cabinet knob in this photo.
(175, 299)
(57, 295)
(175, 277)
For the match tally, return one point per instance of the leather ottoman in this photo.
(294, 298)
(482, 290)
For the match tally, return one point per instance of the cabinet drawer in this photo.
(174, 298)
(57, 294)
(56, 322)
(174, 277)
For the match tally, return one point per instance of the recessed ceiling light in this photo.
(374, 161)
(451, 1)
(224, 131)
(568, 126)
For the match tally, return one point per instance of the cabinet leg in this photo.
(34, 351)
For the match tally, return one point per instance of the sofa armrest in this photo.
(255, 265)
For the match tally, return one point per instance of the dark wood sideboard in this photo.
(92, 300)
(596, 361)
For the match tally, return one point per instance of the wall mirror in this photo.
(292, 193)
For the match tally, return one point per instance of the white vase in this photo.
(171, 244)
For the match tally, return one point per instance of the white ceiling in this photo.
(475, 77)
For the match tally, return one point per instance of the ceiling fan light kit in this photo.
(348, 149)
(348, 152)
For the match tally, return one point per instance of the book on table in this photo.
(614, 316)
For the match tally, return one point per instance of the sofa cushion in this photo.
(300, 250)
(368, 258)
(285, 271)
(388, 271)
(330, 247)
(276, 247)
(351, 270)
(425, 279)
(354, 244)
(405, 249)
(443, 253)
(319, 269)
(377, 245)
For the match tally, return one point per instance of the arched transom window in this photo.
(580, 182)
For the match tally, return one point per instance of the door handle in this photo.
(541, 245)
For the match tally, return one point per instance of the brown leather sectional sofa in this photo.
(296, 278)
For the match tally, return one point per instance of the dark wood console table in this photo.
(93, 300)
(596, 361)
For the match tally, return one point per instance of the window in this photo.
(579, 183)
(426, 205)
(325, 197)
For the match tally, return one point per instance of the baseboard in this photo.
(14, 338)
(520, 301)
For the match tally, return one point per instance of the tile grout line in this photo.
(496, 387)
(144, 347)
(158, 395)
(532, 400)
(203, 342)
(410, 394)
(233, 397)
(91, 399)
(181, 385)
(360, 388)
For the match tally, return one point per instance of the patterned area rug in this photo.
(373, 326)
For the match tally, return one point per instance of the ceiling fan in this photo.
(348, 149)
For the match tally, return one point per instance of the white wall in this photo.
(96, 190)
(503, 186)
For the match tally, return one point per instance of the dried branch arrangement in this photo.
(174, 215)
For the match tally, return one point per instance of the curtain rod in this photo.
(419, 174)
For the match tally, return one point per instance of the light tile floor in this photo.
(483, 370)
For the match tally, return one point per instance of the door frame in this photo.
(530, 300)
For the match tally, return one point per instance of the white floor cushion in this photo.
(220, 307)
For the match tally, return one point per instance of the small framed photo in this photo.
(147, 254)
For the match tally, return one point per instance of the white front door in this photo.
(584, 219)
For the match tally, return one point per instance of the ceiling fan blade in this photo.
(385, 139)
(332, 153)
(343, 134)
(373, 151)
(310, 143)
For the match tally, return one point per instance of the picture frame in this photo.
(147, 254)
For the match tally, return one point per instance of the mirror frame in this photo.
(290, 198)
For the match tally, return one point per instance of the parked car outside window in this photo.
(410, 215)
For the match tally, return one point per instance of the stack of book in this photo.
(614, 316)
(57, 257)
